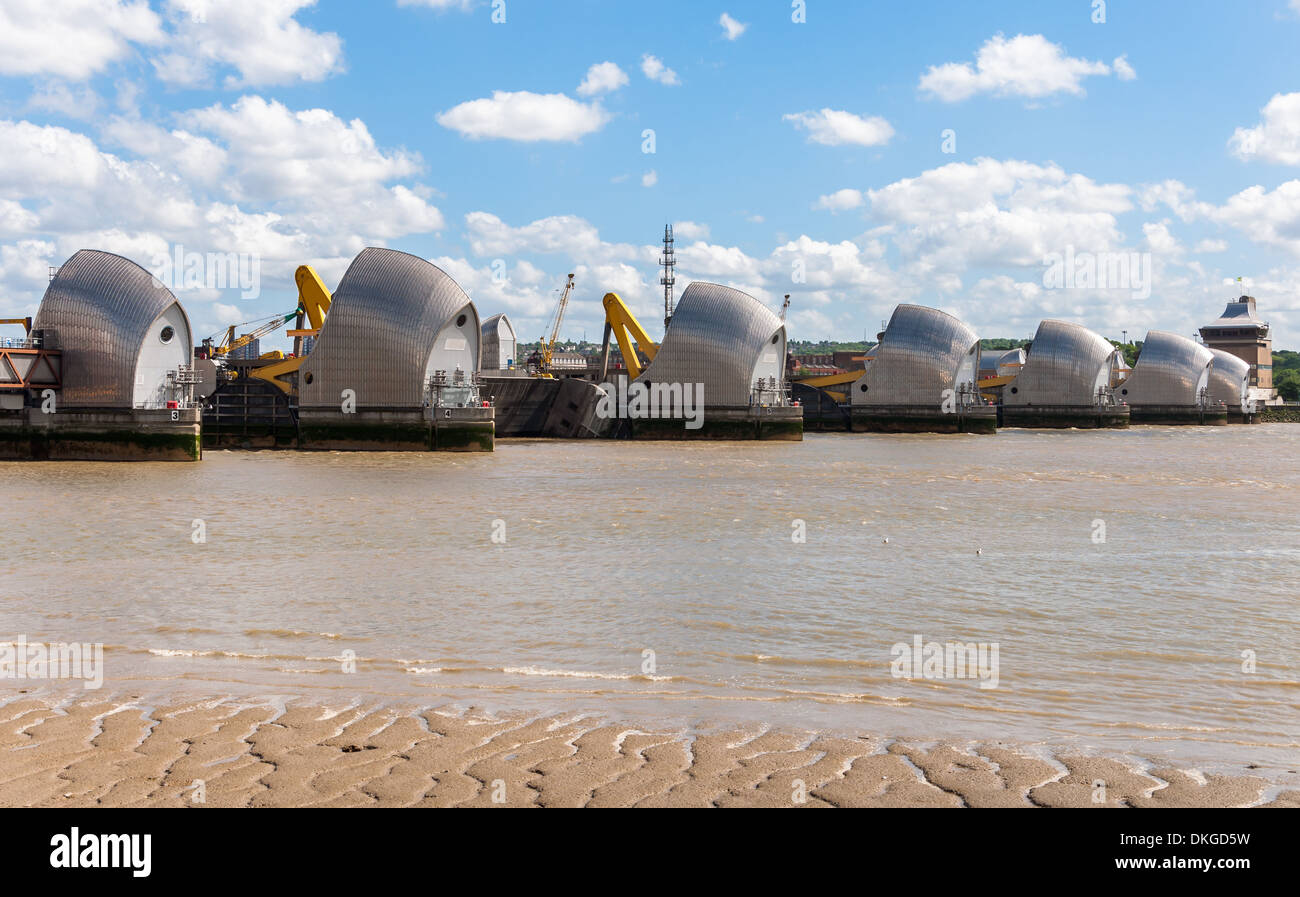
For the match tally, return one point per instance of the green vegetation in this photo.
(825, 347)
(1131, 350)
(1286, 374)
(1003, 344)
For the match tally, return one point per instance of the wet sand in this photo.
(230, 752)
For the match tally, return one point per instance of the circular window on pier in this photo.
(1014, 390)
(775, 337)
(863, 387)
(460, 322)
(167, 334)
(308, 377)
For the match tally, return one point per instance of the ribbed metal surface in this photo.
(498, 332)
(1170, 370)
(718, 337)
(98, 310)
(1229, 381)
(1001, 362)
(380, 331)
(1066, 365)
(924, 351)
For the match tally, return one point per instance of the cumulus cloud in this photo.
(566, 235)
(650, 178)
(241, 178)
(690, 230)
(840, 200)
(1123, 70)
(1027, 65)
(653, 68)
(259, 39)
(440, 5)
(731, 29)
(525, 116)
(72, 39)
(79, 102)
(602, 77)
(1277, 137)
(835, 127)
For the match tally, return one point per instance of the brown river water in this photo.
(605, 551)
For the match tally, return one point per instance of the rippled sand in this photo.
(231, 753)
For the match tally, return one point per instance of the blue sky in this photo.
(801, 157)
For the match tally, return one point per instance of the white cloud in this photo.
(994, 212)
(1277, 137)
(244, 178)
(602, 77)
(835, 127)
(690, 230)
(650, 178)
(1123, 70)
(1267, 217)
(275, 152)
(440, 5)
(62, 99)
(565, 235)
(525, 116)
(653, 68)
(1209, 245)
(840, 200)
(1027, 65)
(731, 29)
(260, 39)
(72, 39)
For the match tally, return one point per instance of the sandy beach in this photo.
(240, 752)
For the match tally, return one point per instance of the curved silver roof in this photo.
(380, 331)
(498, 324)
(1170, 370)
(496, 330)
(1238, 313)
(1229, 380)
(1001, 362)
(98, 310)
(1066, 365)
(718, 336)
(924, 351)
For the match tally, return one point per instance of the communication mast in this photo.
(668, 261)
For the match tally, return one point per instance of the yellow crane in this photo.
(230, 343)
(313, 304)
(548, 344)
(620, 321)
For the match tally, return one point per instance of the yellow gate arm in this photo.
(629, 333)
(314, 303)
(313, 297)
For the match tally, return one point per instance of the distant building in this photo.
(1241, 332)
(568, 361)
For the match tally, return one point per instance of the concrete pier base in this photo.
(397, 430)
(1064, 417)
(726, 423)
(1178, 415)
(922, 419)
(70, 434)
